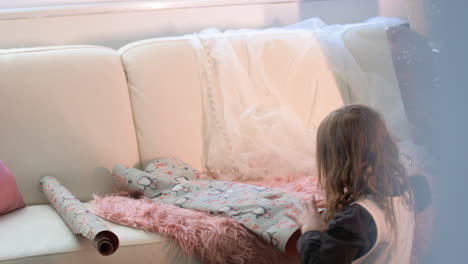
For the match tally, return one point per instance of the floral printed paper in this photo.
(257, 208)
(77, 216)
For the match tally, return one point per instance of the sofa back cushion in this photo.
(165, 89)
(65, 112)
(166, 98)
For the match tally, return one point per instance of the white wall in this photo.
(393, 8)
(116, 29)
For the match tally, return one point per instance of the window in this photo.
(13, 4)
(10, 4)
(14, 9)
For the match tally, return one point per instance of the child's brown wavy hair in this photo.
(356, 157)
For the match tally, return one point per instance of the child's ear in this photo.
(366, 169)
(372, 182)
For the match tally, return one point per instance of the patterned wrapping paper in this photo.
(78, 218)
(171, 181)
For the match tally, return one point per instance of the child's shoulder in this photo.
(354, 214)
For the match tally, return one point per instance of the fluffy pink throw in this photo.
(213, 239)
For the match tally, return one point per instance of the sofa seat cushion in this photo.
(37, 234)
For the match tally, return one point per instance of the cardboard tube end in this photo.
(106, 243)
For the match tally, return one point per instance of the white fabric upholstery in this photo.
(65, 112)
(166, 99)
(165, 90)
(36, 234)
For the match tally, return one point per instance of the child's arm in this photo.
(350, 234)
(309, 217)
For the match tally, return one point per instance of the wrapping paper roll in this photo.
(257, 208)
(78, 217)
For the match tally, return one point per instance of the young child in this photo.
(369, 211)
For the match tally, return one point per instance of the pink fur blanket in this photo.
(213, 239)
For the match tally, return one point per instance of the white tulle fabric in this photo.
(251, 128)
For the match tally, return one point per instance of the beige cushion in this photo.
(64, 112)
(37, 234)
(165, 93)
(165, 90)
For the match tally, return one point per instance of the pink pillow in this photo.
(10, 197)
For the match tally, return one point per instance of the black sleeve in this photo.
(350, 234)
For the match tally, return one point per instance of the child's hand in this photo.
(309, 218)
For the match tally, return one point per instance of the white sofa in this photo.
(74, 112)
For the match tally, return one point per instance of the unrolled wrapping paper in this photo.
(259, 209)
(78, 217)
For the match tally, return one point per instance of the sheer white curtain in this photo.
(251, 131)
